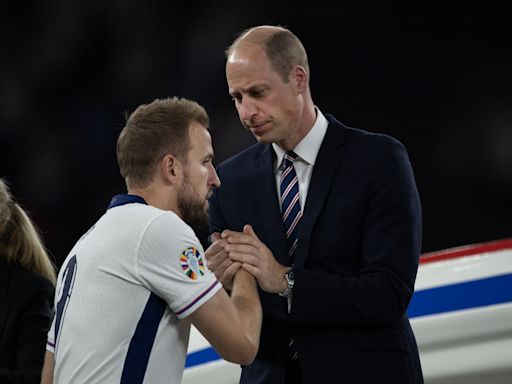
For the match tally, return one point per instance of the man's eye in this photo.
(258, 93)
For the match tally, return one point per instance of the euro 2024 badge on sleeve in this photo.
(192, 263)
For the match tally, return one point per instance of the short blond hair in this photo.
(20, 241)
(152, 131)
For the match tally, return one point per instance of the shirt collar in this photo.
(123, 199)
(307, 149)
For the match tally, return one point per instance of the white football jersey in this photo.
(123, 295)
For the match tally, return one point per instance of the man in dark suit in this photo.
(335, 227)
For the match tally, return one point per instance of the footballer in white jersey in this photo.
(123, 296)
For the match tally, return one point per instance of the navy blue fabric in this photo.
(139, 351)
(123, 199)
(69, 274)
(355, 264)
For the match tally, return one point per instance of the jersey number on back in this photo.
(64, 294)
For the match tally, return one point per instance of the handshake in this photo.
(231, 251)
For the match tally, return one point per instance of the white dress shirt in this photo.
(307, 151)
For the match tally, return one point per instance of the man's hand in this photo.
(219, 262)
(256, 258)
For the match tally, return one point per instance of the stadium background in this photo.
(438, 79)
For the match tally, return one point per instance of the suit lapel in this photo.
(269, 228)
(324, 170)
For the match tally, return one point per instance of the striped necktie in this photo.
(290, 204)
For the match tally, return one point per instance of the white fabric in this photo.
(131, 254)
(307, 151)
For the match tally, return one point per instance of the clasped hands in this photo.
(231, 250)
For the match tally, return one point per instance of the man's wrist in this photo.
(289, 278)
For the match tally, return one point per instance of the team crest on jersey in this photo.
(192, 263)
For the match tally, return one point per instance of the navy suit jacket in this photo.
(25, 316)
(355, 264)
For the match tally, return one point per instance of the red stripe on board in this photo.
(466, 250)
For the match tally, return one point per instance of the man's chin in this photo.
(262, 139)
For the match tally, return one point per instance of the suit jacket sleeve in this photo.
(216, 220)
(374, 280)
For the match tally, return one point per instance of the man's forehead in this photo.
(200, 136)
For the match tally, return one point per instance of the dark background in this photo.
(438, 79)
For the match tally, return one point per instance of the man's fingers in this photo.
(214, 236)
(229, 273)
(224, 265)
(215, 258)
(241, 248)
(252, 270)
(216, 247)
(249, 231)
(244, 258)
(239, 238)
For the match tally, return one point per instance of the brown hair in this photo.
(20, 242)
(152, 131)
(284, 50)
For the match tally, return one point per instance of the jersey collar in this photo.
(123, 199)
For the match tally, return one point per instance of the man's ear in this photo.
(171, 168)
(301, 77)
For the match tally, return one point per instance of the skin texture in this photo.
(274, 111)
(199, 178)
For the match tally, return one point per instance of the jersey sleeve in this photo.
(50, 341)
(171, 263)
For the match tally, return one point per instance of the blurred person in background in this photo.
(27, 278)
(336, 221)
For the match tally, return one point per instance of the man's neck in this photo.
(156, 198)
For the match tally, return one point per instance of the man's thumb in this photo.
(249, 231)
